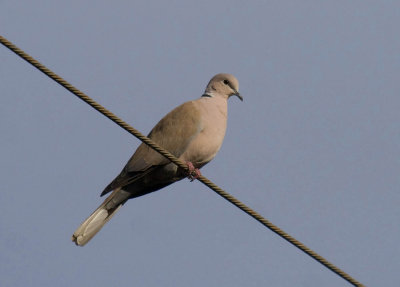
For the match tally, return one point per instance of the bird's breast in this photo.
(208, 142)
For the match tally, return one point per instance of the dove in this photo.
(193, 132)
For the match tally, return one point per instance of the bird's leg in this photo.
(193, 172)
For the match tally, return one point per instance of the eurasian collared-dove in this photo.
(193, 132)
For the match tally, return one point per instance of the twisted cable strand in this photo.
(178, 162)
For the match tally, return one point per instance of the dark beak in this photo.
(237, 94)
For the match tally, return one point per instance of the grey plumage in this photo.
(193, 132)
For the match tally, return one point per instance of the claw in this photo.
(193, 172)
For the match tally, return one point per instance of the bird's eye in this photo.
(226, 82)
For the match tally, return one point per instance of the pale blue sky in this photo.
(315, 146)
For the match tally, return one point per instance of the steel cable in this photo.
(178, 162)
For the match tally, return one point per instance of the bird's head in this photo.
(225, 85)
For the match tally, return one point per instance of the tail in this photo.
(99, 217)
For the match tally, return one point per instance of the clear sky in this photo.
(315, 146)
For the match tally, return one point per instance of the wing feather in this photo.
(174, 132)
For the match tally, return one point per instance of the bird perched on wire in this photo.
(193, 132)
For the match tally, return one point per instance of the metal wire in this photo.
(178, 162)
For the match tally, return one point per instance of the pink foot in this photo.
(193, 172)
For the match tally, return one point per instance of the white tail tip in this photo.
(92, 225)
